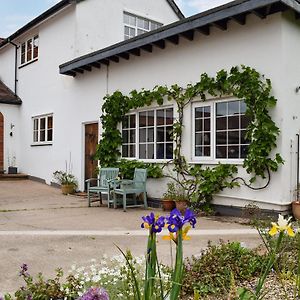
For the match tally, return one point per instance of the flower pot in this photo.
(168, 204)
(182, 205)
(12, 170)
(67, 189)
(296, 209)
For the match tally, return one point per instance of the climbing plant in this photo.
(241, 82)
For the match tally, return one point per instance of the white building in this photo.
(61, 106)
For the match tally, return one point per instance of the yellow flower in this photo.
(173, 236)
(282, 225)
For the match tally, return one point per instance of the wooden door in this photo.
(91, 142)
(1, 142)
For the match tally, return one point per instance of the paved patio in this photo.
(45, 229)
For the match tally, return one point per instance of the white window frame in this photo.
(136, 27)
(137, 144)
(212, 158)
(32, 59)
(39, 118)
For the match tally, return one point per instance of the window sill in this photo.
(41, 144)
(149, 161)
(238, 162)
(28, 63)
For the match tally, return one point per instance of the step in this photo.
(12, 177)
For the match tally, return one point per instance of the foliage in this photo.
(65, 178)
(241, 82)
(211, 272)
(127, 168)
(175, 192)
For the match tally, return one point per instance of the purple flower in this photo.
(23, 271)
(155, 223)
(95, 294)
(176, 220)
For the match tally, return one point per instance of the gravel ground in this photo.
(275, 290)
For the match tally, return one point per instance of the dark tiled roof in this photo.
(217, 17)
(7, 96)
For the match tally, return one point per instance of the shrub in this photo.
(212, 272)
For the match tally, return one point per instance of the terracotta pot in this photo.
(168, 205)
(296, 209)
(67, 189)
(182, 205)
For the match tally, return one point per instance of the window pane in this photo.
(233, 137)
(140, 23)
(142, 149)
(245, 121)
(199, 151)
(125, 151)
(150, 154)
(198, 112)
(169, 151)
(160, 117)
(29, 50)
(243, 137)
(244, 150)
(169, 133)
(206, 111)
(221, 138)
(206, 124)
(35, 136)
(50, 135)
(233, 151)
(151, 118)
(243, 107)
(221, 109)
(132, 136)
(143, 135)
(132, 121)
(169, 116)
(42, 135)
(143, 119)
(221, 123)
(23, 53)
(42, 123)
(206, 138)
(160, 135)
(125, 136)
(126, 18)
(36, 124)
(160, 152)
(233, 107)
(221, 152)
(125, 123)
(50, 122)
(132, 151)
(199, 139)
(150, 135)
(35, 47)
(206, 151)
(233, 122)
(198, 125)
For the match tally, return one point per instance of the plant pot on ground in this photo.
(178, 194)
(12, 170)
(67, 181)
(296, 205)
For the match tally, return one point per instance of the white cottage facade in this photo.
(60, 103)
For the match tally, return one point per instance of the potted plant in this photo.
(12, 169)
(181, 198)
(67, 181)
(296, 204)
(169, 196)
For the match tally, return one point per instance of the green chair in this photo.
(133, 187)
(105, 177)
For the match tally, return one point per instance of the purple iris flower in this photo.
(95, 294)
(176, 220)
(156, 224)
(23, 271)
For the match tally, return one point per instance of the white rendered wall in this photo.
(100, 23)
(7, 66)
(252, 45)
(11, 142)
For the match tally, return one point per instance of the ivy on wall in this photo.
(241, 82)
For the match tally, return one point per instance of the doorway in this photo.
(91, 142)
(1, 143)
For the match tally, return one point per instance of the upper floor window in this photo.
(220, 130)
(135, 25)
(30, 50)
(148, 134)
(43, 129)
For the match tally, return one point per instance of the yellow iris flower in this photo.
(173, 236)
(282, 225)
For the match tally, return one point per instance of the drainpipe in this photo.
(298, 157)
(16, 65)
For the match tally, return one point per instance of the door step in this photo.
(13, 177)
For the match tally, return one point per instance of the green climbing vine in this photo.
(241, 82)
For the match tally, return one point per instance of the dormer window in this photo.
(30, 50)
(135, 25)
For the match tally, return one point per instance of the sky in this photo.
(16, 13)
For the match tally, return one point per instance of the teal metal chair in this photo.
(133, 187)
(104, 180)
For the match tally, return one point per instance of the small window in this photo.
(43, 129)
(30, 50)
(135, 25)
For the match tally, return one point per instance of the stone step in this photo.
(11, 177)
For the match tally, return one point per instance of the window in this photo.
(43, 129)
(148, 134)
(220, 130)
(30, 50)
(135, 25)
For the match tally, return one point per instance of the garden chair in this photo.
(105, 177)
(133, 187)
